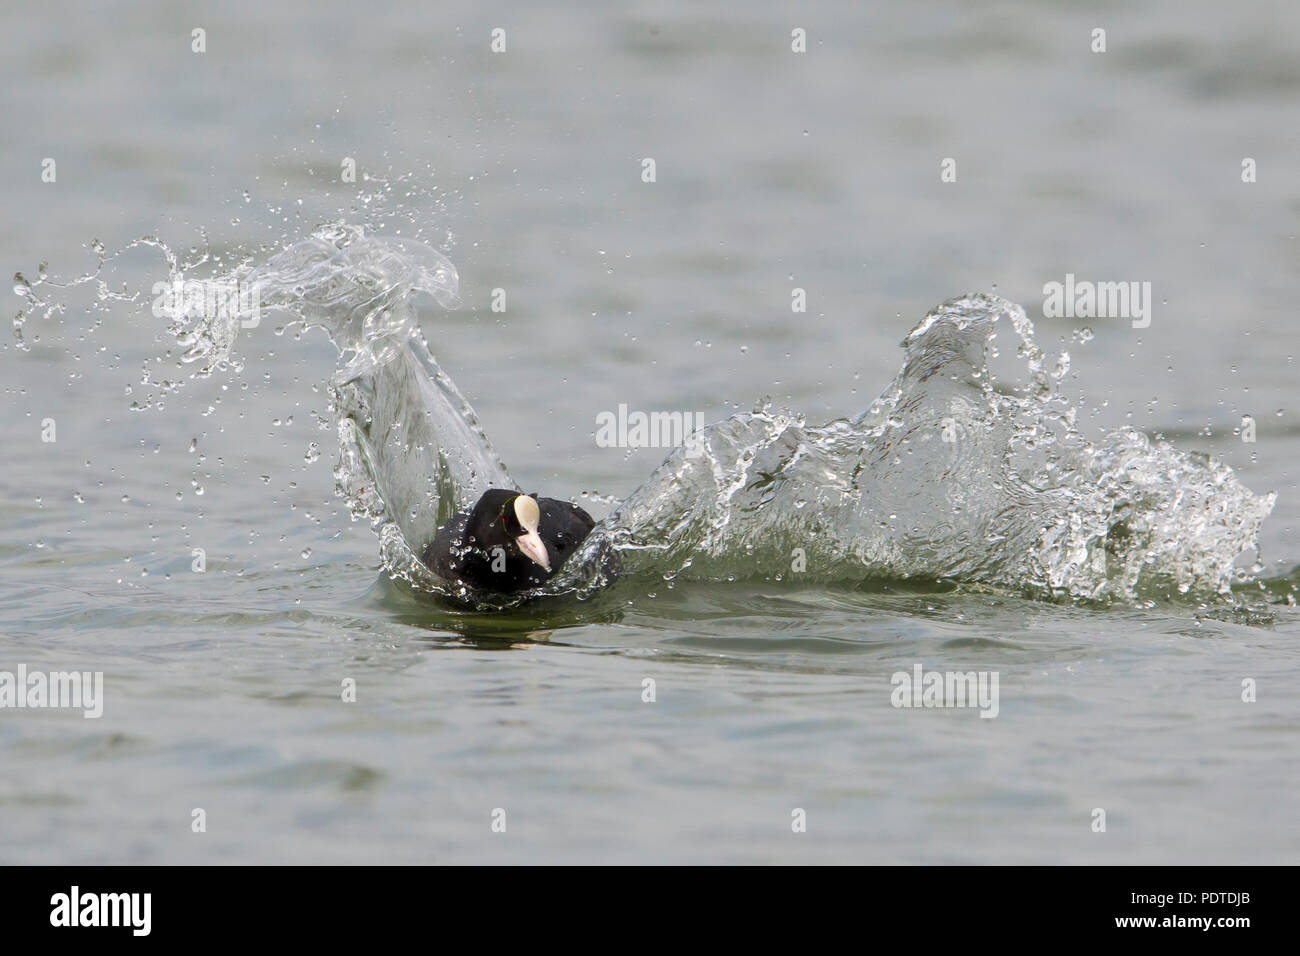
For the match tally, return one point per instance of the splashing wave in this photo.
(948, 476)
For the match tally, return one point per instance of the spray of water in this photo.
(949, 475)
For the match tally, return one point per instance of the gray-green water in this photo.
(774, 170)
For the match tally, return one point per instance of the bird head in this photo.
(520, 516)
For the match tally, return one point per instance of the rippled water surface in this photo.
(1120, 667)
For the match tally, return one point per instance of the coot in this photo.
(508, 541)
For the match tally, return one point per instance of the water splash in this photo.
(949, 475)
(945, 477)
(411, 450)
(41, 298)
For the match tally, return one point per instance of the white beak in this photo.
(531, 545)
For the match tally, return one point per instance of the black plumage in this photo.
(493, 547)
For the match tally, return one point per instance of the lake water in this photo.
(774, 171)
